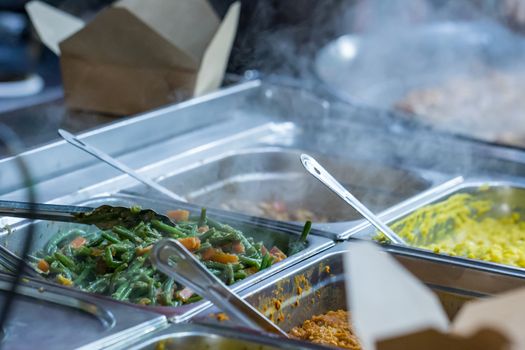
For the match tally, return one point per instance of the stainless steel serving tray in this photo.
(247, 118)
(317, 285)
(260, 229)
(45, 316)
(205, 337)
(240, 180)
(507, 195)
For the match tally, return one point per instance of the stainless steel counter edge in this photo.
(124, 322)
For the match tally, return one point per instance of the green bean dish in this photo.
(115, 262)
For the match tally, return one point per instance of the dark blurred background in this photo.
(275, 37)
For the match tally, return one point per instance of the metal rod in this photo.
(170, 257)
(72, 139)
(321, 174)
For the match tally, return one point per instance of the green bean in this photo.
(214, 265)
(228, 274)
(239, 275)
(122, 291)
(202, 218)
(52, 245)
(96, 242)
(82, 251)
(127, 256)
(213, 224)
(83, 275)
(66, 261)
(98, 286)
(194, 298)
(215, 272)
(266, 261)
(140, 284)
(248, 247)
(152, 291)
(121, 267)
(135, 209)
(123, 232)
(167, 291)
(59, 268)
(250, 261)
(110, 238)
(206, 235)
(121, 247)
(223, 239)
(203, 247)
(167, 228)
(108, 258)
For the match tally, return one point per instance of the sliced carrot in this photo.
(43, 265)
(277, 254)
(179, 215)
(78, 242)
(238, 247)
(141, 251)
(203, 229)
(224, 258)
(190, 243)
(208, 253)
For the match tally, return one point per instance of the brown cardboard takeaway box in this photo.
(136, 55)
(392, 310)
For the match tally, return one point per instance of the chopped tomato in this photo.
(277, 254)
(238, 247)
(208, 253)
(190, 243)
(179, 215)
(78, 242)
(224, 258)
(263, 250)
(43, 265)
(141, 251)
(185, 294)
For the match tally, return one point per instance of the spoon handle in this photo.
(170, 257)
(314, 168)
(41, 211)
(106, 158)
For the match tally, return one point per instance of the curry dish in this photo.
(331, 329)
(463, 226)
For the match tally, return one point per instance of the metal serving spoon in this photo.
(170, 257)
(72, 139)
(103, 217)
(321, 174)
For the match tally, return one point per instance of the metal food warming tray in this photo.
(506, 195)
(244, 180)
(205, 337)
(260, 229)
(317, 285)
(46, 316)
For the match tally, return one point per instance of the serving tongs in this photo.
(170, 257)
(104, 217)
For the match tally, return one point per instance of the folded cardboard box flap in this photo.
(393, 310)
(136, 55)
